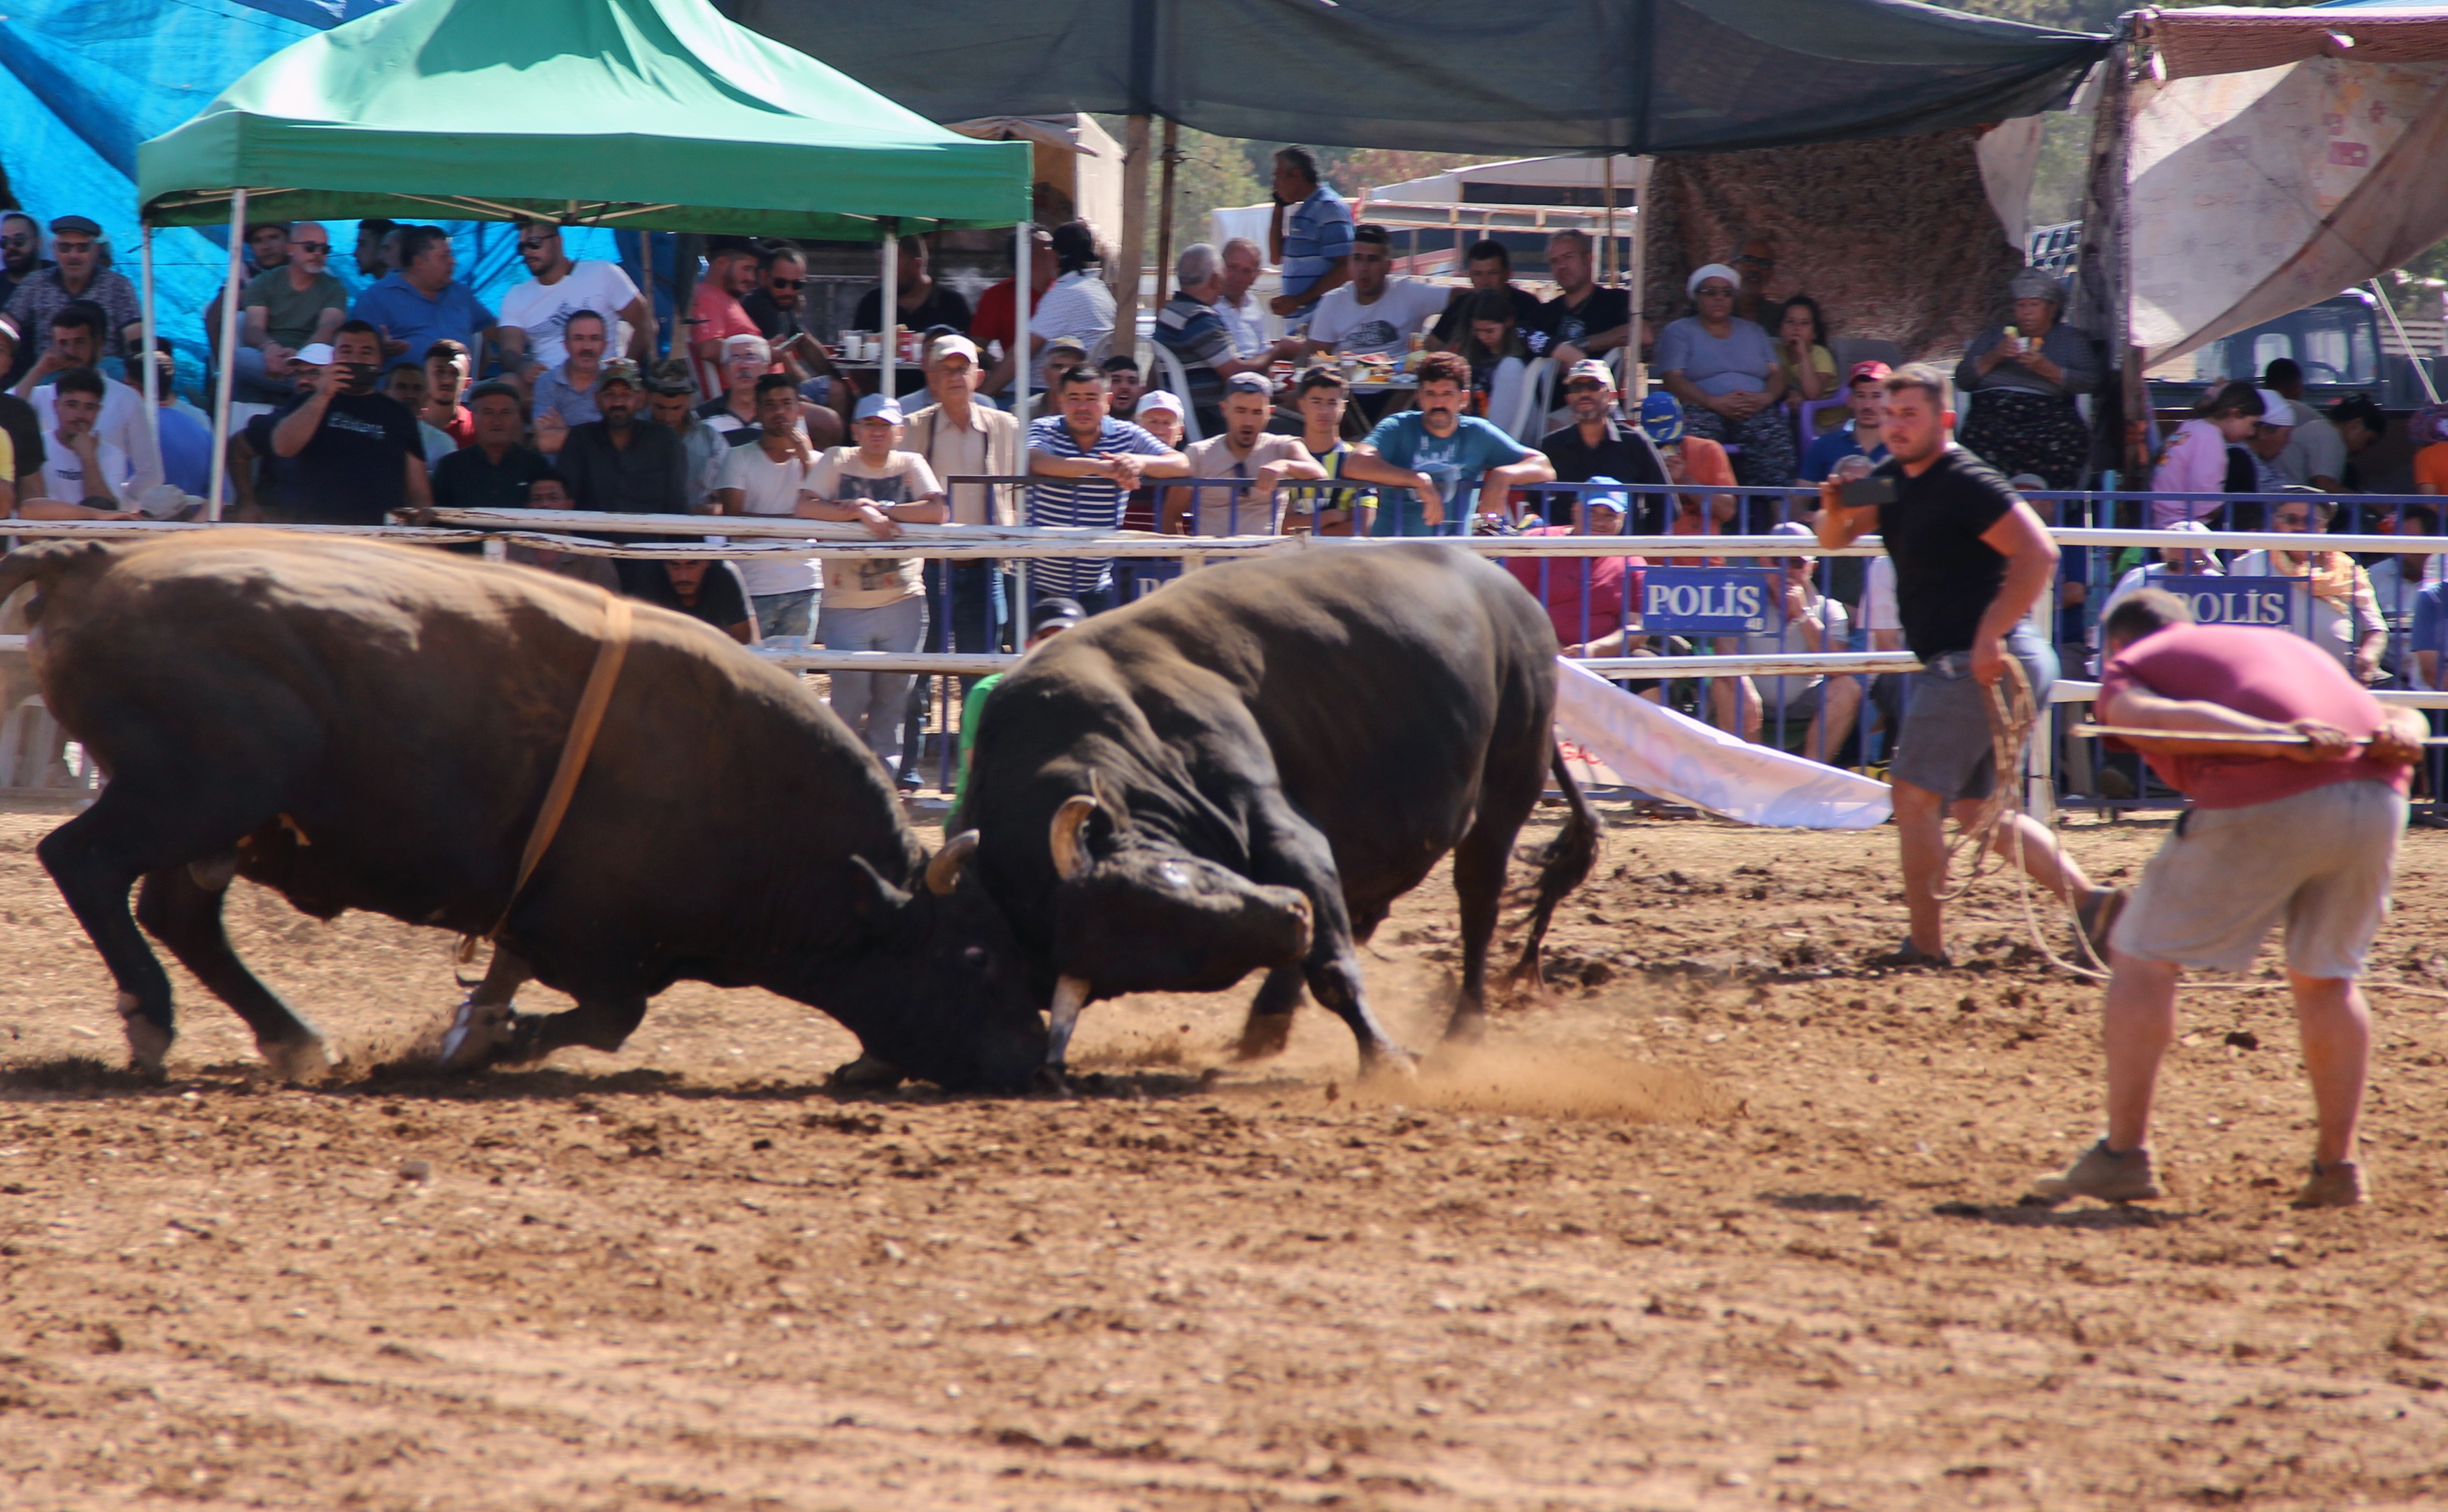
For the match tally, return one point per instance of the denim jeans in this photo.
(870, 702)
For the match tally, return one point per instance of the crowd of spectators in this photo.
(1470, 403)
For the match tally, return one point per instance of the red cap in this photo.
(1868, 370)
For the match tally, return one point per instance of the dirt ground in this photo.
(1727, 1219)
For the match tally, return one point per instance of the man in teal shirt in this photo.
(1460, 463)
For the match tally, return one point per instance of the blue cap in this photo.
(1661, 416)
(1617, 500)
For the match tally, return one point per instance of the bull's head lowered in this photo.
(1138, 912)
(943, 994)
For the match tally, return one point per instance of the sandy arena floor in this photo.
(1726, 1221)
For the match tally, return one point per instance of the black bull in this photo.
(1244, 770)
(369, 726)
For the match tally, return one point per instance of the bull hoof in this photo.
(1388, 1062)
(1264, 1036)
(148, 1043)
(1053, 1080)
(304, 1062)
(480, 1034)
(1467, 1028)
(866, 1073)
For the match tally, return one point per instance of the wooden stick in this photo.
(2214, 736)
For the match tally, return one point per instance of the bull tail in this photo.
(1563, 866)
(42, 563)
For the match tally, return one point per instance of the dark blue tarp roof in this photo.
(1478, 76)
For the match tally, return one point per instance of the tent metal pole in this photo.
(1023, 365)
(152, 379)
(1164, 213)
(888, 307)
(1638, 378)
(229, 357)
(1130, 259)
(1607, 248)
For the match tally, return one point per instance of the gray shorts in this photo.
(2321, 860)
(1944, 745)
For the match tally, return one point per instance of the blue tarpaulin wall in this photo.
(82, 81)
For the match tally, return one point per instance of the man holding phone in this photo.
(1971, 559)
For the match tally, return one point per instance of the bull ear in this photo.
(874, 901)
(944, 871)
(1071, 860)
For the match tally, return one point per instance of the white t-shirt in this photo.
(1080, 305)
(1879, 595)
(1781, 692)
(872, 582)
(767, 487)
(64, 475)
(542, 309)
(122, 424)
(1383, 329)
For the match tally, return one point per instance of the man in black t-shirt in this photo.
(1583, 321)
(493, 471)
(1596, 445)
(1971, 560)
(339, 453)
(924, 303)
(1490, 267)
(712, 591)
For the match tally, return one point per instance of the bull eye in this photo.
(976, 956)
(1174, 876)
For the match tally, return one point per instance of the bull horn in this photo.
(1070, 856)
(944, 871)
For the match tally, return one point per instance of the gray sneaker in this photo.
(2102, 1174)
(2333, 1186)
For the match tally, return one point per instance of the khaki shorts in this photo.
(2321, 861)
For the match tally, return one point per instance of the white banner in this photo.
(1612, 737)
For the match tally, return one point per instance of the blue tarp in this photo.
(82, 81)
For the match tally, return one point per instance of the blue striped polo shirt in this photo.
(1316, 231)
(1094, 503)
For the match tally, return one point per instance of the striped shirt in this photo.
(1316, 231)
(1196, 336)
(1094, 503)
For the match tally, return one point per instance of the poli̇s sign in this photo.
(1712, 601)
(2275, 603)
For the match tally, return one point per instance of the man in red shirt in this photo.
(1590, 599)
(2302, 827)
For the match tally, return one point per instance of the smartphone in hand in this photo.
(1867, 493)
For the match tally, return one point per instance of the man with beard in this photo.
(339, 453)
(1596, 445)
(535, 315)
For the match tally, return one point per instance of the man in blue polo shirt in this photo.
(1311, 235)
(421, 302)
(1868, 392)
(1088, 463)
(1460, 463)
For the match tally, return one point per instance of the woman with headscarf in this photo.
(1723, 369)
(2019, 383)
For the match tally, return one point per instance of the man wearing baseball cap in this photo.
(1866, 388)
(961, 436)
(1689, 459)
(618, 465)
(1596, 445)
(76, 273)
(874, 603)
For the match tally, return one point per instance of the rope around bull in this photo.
(2013, 716)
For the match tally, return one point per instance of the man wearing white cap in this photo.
(960, 437)
(874, 603)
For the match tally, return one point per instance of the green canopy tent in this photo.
(647, 114)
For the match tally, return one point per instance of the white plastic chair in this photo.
(1527, 414)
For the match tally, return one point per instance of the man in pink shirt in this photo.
(2299, 820)
(716, 315)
